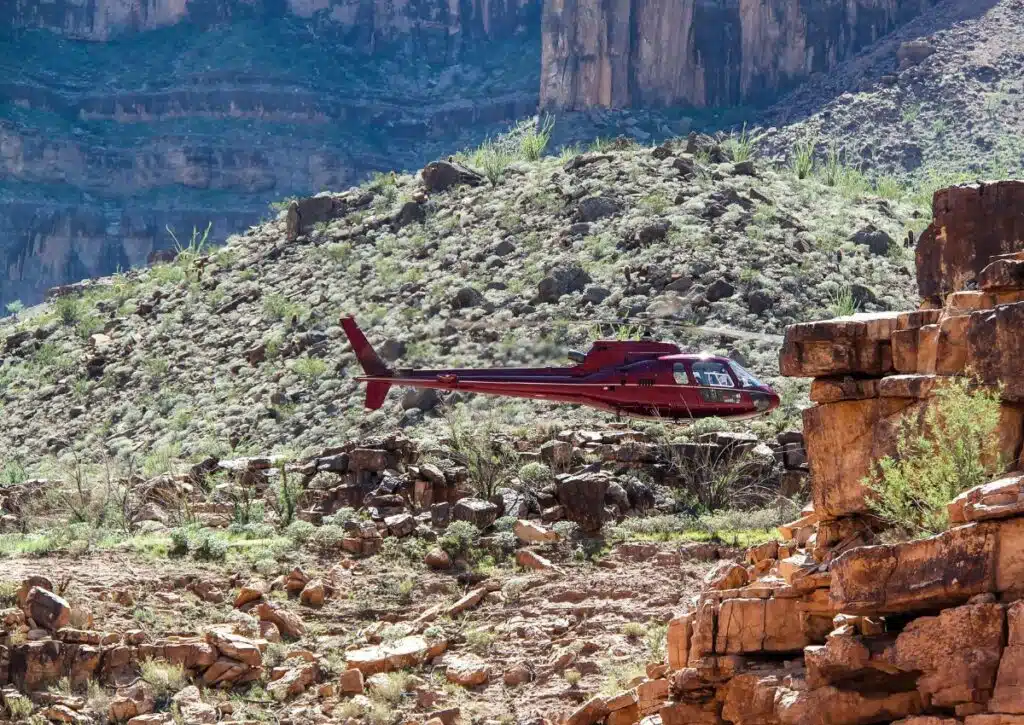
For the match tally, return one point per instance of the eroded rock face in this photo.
(917, 575)
(697, 53)
(972, 224)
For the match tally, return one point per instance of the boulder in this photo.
(132, 701)
(999, 499)
(1002, 275)
(313, 594)
(400, 524)
(921, 575)
(859, 344)
(469, 601)
(398, 655)
(972, 224)
(1008, 695)
(531, 533)
(596, 207)
(289, 623)
(294, 682)
(437, 558)
(726, 575)
(994, 351)
(467, 672)
(236, 647)
(532, 560)
(750, 698)
(591, 712)
(350, 682)
(47, 609)
(476, 511)
(678, 641)
(562, 280)
(251, 591)
(442, 175)
(956, 653)
(835, 706)
(582, 497)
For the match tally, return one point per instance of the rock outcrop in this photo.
(700, 53)
(830, 627)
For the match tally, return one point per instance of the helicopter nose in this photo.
(765, 400)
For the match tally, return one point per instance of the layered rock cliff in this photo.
(699, 52)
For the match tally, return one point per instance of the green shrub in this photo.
(179, 542)
(803, 158)
(740, 147)
(69, 310)
(299, 531)
(956, 448)
(458, 538)
(207, 547)
(842, 302)
(165, 679)
(535, 475)
(535, 139)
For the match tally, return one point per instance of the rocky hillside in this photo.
(937, 101)
(572, 577)
(240, 346)
(225, 107)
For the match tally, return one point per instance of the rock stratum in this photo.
(829, 626)
(228, 106)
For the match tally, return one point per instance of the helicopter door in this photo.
(716, 382)
(679, 374)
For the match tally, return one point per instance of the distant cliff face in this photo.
(432, 26)
(703, 53)
(120, 118)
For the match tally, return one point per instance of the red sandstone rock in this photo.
(857, 344)
(971, 225)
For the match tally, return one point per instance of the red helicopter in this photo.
(634, 378)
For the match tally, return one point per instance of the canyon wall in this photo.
(703, 53)
(441, 27)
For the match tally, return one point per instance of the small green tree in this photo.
(955, 448)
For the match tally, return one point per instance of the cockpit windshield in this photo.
(746, 379)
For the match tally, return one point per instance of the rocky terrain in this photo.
(934, 103)
(239, 348)
(225, 107)
(573, 576)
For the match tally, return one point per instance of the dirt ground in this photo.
(569, 631)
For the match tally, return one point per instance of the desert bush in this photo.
(534, 138)
(300, 531)
(165, 679)
(713, 478)
(572, 677)
(955, 448)
(535, 475)
(633, 629)
(459, 538)
(740, 147)
(490, 460)
(842, 302)
(208, 547)
(69, 310)
(803, 157)
(480, 640)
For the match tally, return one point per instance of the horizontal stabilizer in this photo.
(376, 391)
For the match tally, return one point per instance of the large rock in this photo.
(562, 280)
(956, 652)
(835, 706)
(1008, 695)
(401, 654)
(999, 499)
(859, 344)
(843, 440)
(971, 225)
(47, 609)
(747, 626)
(582, 496)
(442, 175)
(994, 351)
(476, 511)
(919, 575)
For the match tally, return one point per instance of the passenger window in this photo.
(713, 374)
(679, 373)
